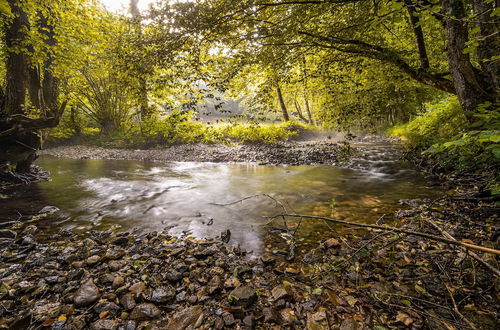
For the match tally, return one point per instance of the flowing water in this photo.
(186, 198)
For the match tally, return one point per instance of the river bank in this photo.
(285, 153)
(365, 279)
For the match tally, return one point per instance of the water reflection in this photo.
(181, 196)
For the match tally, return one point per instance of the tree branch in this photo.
(387, 55)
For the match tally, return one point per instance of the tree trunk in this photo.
(15, 35)
(489, 44)
(284, 111)
(467, 82)
(299, 112)
(306, 100)
(19, 138)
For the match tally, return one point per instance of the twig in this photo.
(397, 230)
(472, 254)
(455, 308)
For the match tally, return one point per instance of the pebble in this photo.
(87, 294)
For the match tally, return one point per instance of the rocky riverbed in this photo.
(126, 280)
(287, 153)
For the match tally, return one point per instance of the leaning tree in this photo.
(31, 85)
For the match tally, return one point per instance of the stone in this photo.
(43, 311)
(173, 276)
(243, 296)
(107, 306)
(145, 311)
(249, 322)
(104, 325)
(92, 260)
(214, 285)
(162, 295)
(123, 240)
(78, 323)
(228, 319)
(281, 292)
(137, 288)
(270, 315)
(128, 301)
(118, 281)
(130, 325)
(113, 254)
(209, 251)
(268, 260)
(87, 294)
(116, 265)
(185, 318)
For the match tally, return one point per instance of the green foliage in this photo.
(445, 136)
(179, 128)
(438, 124)
(5, 8)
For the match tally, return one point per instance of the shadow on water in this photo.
(96, 194)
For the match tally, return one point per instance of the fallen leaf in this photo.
(404, 318)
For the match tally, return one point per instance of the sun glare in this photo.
(119, 6)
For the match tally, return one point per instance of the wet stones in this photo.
(185, 318)
(107, 307)
(145, 311)
(87, 294)
(118, 281)
(209, 251)
(92, 260)
(228, 319)
(44, 310)
(173, 276)
(243, 296)
(128, 301)
(162, 295)
(104, 325)
(271, 315)
(137, 288)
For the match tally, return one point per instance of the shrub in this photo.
(444, 135)
(439, 123)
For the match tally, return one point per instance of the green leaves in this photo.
(5, 8)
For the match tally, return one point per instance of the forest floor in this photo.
(286, 153)
(360, 279)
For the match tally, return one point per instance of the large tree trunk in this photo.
(19, 135)
(489, 45)
(15, 35)
(468, 83)
(284, 111)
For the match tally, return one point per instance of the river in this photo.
(185, 197)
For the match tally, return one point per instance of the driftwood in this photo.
(397, 230)
(472, 254)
